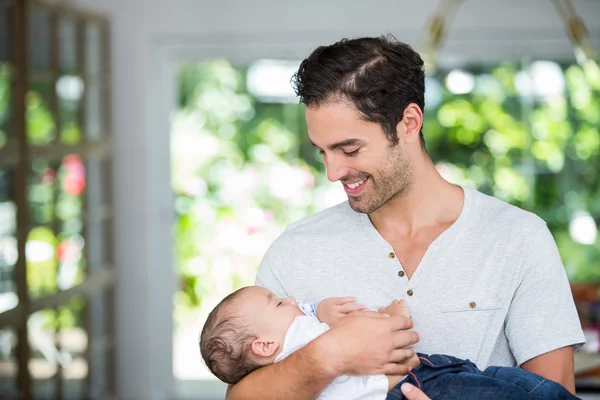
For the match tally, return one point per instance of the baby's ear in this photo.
(261, 348)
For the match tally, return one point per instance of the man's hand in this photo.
(368, 343)
(331, 310)
(399, 308)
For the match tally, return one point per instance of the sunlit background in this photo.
(244, 168)
(151, 151)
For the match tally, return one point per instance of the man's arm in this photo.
(364, 343)
(542, 324)
(302, 375)
(557, 365)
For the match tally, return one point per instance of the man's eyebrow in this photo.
(343, 143)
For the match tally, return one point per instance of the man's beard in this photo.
(393, 180)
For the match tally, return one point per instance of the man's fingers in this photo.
(346, 308)
(401, 355)
(413, 393)
(395, 369)
(404, 339)
(399, 323)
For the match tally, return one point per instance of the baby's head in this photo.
(246, 331)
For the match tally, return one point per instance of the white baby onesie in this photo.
(306, 328)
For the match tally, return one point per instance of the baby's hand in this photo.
(398, 308)
(332, 309)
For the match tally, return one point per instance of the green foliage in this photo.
(236, 157)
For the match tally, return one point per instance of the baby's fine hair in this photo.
(226, 341)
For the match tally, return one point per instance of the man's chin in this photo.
(358, 206)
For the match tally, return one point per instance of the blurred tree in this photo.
(243, 168)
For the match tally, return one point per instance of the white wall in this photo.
(482, 28)
(150, 36)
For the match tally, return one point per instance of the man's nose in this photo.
(336, 169)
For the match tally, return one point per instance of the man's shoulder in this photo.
(494, 214)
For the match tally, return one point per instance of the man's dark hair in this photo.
(226, 341)
(379, 76)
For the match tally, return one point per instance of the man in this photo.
(483, 280)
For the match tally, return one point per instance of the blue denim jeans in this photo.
(445, 377)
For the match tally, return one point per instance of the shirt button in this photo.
(472, 304)
(400, 274)
(391, 255)
(409, 292)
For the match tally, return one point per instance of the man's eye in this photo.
(279, 303)
(321, 152)
(351, 153)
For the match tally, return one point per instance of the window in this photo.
(56, 264)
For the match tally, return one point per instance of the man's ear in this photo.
(261, 348)
(409, 128)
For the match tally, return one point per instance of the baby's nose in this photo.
(290, 300)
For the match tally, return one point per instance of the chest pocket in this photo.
(473, 304)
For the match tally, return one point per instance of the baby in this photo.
(252, 327)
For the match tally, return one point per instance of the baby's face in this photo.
(269, 315)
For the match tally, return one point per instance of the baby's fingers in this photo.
(348, 308)
(344, 300)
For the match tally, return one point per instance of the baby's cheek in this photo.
(294, 312)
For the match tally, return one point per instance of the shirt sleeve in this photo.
(271, 268)
(542, 316)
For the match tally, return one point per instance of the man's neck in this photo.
(431, 200)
